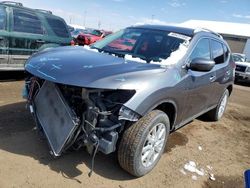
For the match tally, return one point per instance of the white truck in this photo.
(242, 71)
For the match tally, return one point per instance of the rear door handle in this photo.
(40, 41)
(212, 78)
(228, 73)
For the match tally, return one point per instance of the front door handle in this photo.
(212, 78)
(40, 41)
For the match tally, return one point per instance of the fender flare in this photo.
(162, 102)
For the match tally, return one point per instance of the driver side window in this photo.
(201, 50)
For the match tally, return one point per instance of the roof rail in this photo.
(44, 11)
(207, 30)
(12, 3)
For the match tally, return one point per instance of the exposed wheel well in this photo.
(230, 89)
(170, 110)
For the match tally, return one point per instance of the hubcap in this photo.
(153, 145)
(222, 106)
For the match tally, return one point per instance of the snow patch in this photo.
(175, 56)
(183, 171)
(90, 49)
(209, 167)
(211, 177)
(200, 148)
(194, 177)
(191, 167)
(131, 58)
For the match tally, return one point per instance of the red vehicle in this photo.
(90, 36)
(122, 44)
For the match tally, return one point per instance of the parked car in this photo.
(24, 31)
(90, 36)
(242, 71)
(77, 32)
(107, 97)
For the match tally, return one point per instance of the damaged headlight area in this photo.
(75, 117)
(127, 114)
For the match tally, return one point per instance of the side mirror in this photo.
(200, 64)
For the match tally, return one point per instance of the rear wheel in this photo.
(218, 112)
(143, 143)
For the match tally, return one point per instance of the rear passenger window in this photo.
(201, 50)
(226, 52)
(2, 18)
(59, 27)
(27, 22)
(217, 52)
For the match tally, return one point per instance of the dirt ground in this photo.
(224, 146)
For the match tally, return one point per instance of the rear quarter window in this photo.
(58, 27)
(226, 52)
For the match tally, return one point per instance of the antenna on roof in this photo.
(44, 11)
(12, 3)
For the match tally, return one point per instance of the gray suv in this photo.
(24, 31)
(129, 91)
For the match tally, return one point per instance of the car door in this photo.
(27, 36)
(4, 34)
(198, 85)
(223, 71)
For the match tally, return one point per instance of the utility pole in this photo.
(152, 18)
(99, 24)
(84, 18)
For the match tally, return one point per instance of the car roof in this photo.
(181, 30)
(37, 11)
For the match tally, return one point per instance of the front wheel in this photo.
(143, 143)
(218, 112)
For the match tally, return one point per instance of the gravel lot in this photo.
(220, 148)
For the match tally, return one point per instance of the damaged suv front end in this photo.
(72, 117)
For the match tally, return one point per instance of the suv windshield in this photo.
(147, 44)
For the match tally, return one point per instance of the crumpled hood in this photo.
(85, 68)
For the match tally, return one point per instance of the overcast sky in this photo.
(116, 14)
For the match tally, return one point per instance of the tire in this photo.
(217, 113)
(139, 136)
